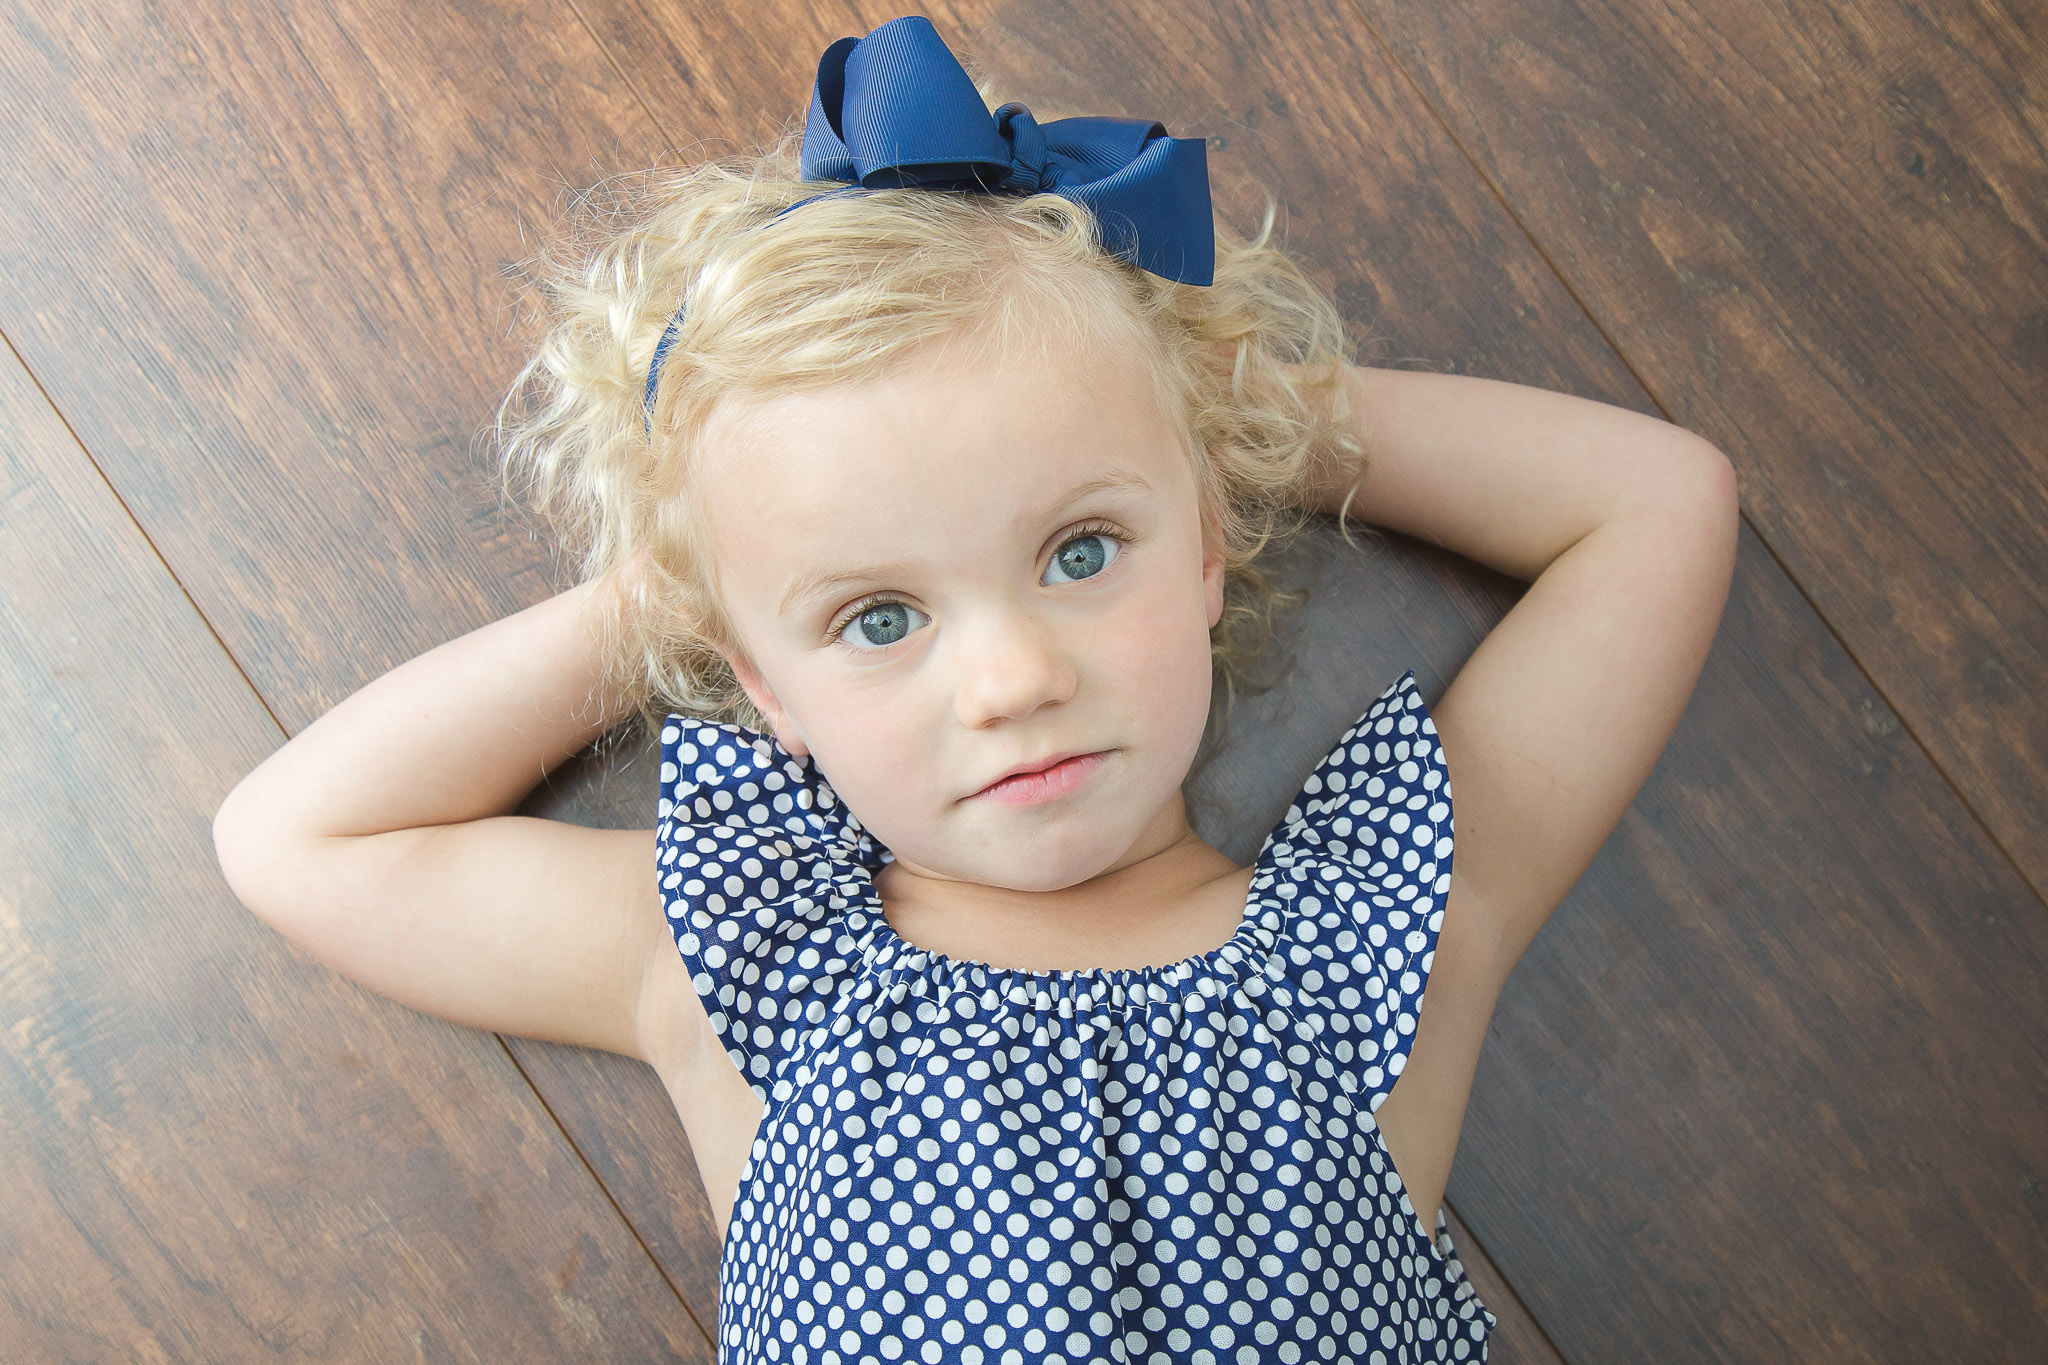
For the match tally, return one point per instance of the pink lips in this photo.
(1031, 789)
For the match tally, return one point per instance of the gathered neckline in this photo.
(852, 856)
(1248, 946)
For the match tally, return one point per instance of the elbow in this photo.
(1682, 477)
(233, 842)
(1718, 473)
(1689, 506)
(1721, 497)
(1703, 483)
(1710, 519)
(247, 849)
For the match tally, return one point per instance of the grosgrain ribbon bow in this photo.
(897, 110)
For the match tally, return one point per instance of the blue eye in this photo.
(881, 623)
(1087, 554)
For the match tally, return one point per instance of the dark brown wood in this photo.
(1813, 1025)
(1820, 234)
(1516, 1340)
(216, 1150)
(1770, 1088)
(1772, 1084)
(257, 254)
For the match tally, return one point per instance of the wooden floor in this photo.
(1773, 1085)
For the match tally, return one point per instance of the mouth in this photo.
(1053, 779)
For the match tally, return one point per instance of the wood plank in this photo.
(1420, 257)
(1772, 1085)
(257, 253)
(215, 1149)
(1821, 235)
(1517, 1339)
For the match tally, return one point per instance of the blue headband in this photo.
(896, 110)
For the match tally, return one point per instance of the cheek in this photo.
(1161, 644)
(875, 754)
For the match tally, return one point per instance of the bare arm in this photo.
(380, 839)
(1627, 527)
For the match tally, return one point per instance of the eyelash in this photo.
(1081, 532)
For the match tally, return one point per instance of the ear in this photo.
(780, 722)
(1212, 570)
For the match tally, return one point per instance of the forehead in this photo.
(957, 450)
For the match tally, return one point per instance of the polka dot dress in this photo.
(966, 1163)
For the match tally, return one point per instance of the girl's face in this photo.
(974, 566)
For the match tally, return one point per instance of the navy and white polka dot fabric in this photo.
(966, 1163)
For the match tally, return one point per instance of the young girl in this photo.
(919, 514)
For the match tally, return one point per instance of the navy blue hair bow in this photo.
(896, 110)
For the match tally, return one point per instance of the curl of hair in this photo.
(842, 291)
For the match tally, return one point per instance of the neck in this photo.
(1138, 900)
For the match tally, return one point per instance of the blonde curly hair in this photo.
(839, 292)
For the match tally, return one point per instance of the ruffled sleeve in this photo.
(1362, 860)
(757, 862)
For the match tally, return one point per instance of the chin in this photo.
(1039, 868)
(1039, 882)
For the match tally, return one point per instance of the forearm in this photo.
(461, 732)
(1503, 474)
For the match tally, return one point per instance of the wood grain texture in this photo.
(1769, 1088)
(1516, 1339)
(215, 1149)
(257, 253)
(1820, 233)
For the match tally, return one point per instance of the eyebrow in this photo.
(815, 584)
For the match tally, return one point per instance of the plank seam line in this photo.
(640, 98)
(598, 1180)
(63, 420)
(1472, 1236)
(264, 702)
(1442, 121)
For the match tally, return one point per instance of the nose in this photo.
(1008, 666)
